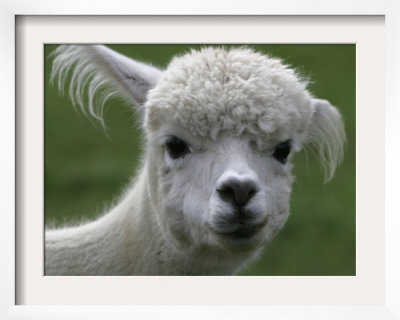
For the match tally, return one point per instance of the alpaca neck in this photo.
(131, 240)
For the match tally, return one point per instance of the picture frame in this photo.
(387, 309)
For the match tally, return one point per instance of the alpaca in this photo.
(221, 127)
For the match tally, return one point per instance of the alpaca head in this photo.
(221, 128)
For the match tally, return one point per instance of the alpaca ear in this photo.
(102, 73)
(326, 133)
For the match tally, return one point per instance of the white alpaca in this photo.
(221, 127)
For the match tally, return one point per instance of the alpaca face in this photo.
(225, 192)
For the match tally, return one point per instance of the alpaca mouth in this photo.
(245, 231)
(241, 231)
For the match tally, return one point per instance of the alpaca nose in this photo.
(237, 191)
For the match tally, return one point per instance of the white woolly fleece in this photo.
(239, 91)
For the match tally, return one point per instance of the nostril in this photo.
(227, 193)
(251, 194)
(237, 191)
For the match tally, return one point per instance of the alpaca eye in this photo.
(282, 151)
(176, 147)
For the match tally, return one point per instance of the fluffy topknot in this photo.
(237, 90)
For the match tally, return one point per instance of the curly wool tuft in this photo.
(238, 90)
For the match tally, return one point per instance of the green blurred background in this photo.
(86, 169)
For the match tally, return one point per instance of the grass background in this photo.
(86, 169)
